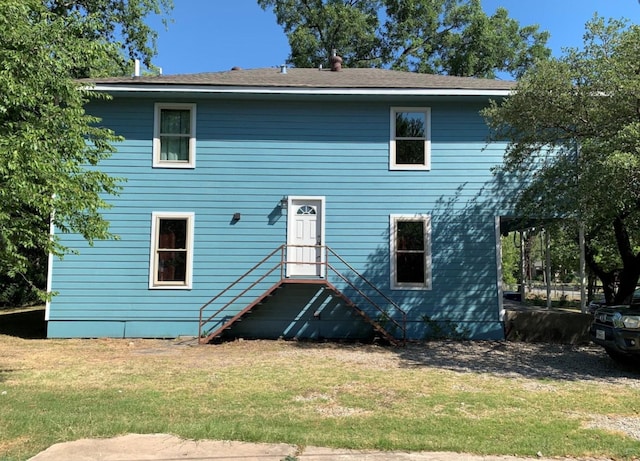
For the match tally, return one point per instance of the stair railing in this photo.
(385, 315)
(243, 292)
(282, 265)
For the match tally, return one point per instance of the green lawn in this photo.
(330, 395)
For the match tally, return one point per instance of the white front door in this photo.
(305, 255)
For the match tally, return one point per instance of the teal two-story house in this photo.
(292, 203)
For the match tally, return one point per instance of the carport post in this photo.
(547, 269)
(583, 281)
(522, 268)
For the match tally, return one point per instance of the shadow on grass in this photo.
(539, 360)
(506, 359)
(26, 324)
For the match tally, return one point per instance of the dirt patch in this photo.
(511, 359)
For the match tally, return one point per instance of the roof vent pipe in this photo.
(136, 68)
(336, 61)
(283, 69)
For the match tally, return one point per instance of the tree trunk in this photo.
(618, 286)
(628, 281)
(630, 263)
(608, 278)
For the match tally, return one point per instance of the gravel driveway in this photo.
(519, 359)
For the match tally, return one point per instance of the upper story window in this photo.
(174, 137)
(171, 250)
(410, 247)
(410, 144)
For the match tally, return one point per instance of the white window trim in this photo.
(157, 163)
(153, 261)
(427, 140)
(426, 219)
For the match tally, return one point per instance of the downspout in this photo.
(501, 311)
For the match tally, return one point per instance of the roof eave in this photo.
(242, 90)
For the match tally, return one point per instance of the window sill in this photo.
(168, 165)
(410, 168)
(170, 287)
(410, 288)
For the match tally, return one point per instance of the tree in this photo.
(452, 37)
(573, 128)
(120, 23)
(510, 259)
(564, 252)
(49, 146)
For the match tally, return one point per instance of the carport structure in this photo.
(522, 226)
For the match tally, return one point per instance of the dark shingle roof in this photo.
(313, 79)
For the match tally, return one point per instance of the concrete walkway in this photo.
(162, 447)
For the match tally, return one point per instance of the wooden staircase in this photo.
(393, 317)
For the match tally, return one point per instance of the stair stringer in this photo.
(336, 292)
(376, 325)
(218, 331)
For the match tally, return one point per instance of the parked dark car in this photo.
(617, 329)
(599, 301)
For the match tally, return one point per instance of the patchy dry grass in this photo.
(485, 398)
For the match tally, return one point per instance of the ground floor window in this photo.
(410, 245)
(172, 250)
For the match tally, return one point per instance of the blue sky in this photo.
(215, 35)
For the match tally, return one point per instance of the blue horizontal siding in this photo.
(84, 329)
(250, 155)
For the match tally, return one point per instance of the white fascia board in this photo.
(106, 88)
